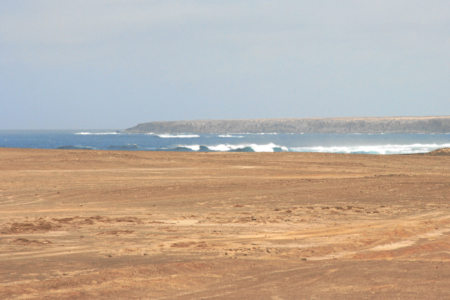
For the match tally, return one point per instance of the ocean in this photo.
(232, 142)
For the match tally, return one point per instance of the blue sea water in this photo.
(232, 142)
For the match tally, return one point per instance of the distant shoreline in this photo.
(432, 124)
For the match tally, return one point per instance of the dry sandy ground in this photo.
(152, 225)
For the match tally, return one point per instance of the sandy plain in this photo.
(160, 225)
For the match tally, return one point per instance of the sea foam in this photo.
(95, 133)
(177, 136)
(231, 136)
(374, 149)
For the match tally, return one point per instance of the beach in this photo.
(89, 224)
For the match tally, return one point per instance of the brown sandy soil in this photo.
(152, 225)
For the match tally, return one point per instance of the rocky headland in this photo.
(306, 125)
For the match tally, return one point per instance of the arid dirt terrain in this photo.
(168, 225)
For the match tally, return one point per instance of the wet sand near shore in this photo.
(80, 224)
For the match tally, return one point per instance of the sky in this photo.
(107, 64)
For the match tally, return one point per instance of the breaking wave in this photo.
(96, 133)
(175, 136)
(271, 147)
(378, 149)
(231, 136)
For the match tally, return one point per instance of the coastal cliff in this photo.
(306, 125)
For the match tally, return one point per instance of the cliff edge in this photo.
(306, 125)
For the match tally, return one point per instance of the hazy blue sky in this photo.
(113, 64)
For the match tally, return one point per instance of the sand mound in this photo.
(443, 151)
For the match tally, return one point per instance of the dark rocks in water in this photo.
(307, 125)
(74, 148)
